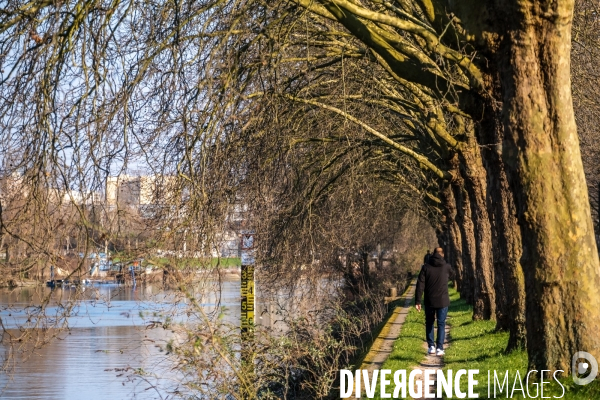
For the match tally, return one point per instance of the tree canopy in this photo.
(461, 112)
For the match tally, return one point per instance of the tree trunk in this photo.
(463, 219)
(541, 154)
(454, 245)
(365, 271)
(597, 231)
(474, 174)
(509, 280)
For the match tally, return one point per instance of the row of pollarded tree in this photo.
(467, 105)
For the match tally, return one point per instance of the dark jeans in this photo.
(430, 316)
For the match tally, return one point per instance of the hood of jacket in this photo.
(437, 260)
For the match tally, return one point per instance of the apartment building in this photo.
(135, 191)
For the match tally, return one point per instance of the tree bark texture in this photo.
(474, 176)
(454, 240)
(463, 220)
(543, 162)
(509, 282)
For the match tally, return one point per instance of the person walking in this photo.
(433, 281)
(426, 258)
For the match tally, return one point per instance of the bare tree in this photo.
(467, 113)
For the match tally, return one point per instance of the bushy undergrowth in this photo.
(301, 361)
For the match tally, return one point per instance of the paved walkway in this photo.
(383, 345)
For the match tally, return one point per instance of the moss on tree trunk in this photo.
(541, 152)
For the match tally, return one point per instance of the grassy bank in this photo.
(200, 263)
(476, 345)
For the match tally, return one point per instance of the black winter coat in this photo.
(433, 280)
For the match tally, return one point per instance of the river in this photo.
(107, 342)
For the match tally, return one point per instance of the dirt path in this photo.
(431, 362)
(382, 346)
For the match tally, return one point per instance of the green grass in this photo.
(408, 349)
(227, 262)
(476, 345)
(224, 262)
(208, 262)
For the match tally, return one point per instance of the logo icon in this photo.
(579, 368)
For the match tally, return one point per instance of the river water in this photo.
(107, 341)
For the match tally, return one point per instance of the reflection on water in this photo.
(108, 337)
(106, 341)
(90, 363)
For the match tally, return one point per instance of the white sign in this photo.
(247, 253)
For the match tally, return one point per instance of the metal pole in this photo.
(247, 292)
(247, 282)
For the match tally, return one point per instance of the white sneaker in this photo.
(432, 350)
(439, 352)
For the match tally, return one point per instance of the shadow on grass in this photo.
(485, 333)
(476, 345)
(460, 306)
(464, 323)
